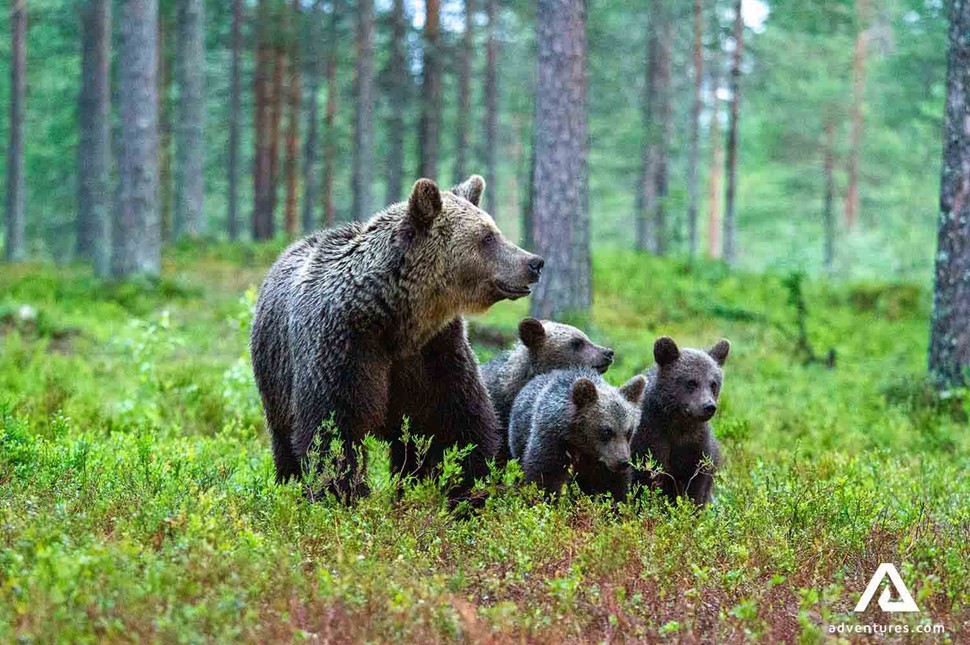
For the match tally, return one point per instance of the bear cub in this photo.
(543, 346)
(681, 397)
(575, 418)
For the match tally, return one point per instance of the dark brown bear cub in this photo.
(681, 397)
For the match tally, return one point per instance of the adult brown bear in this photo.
(362, 324)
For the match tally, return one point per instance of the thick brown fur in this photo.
(543, 346)
(681, 397)
(362, 324)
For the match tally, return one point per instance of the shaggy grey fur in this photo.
(575, 418)
(543, 346)
(362, 324)
(682, 393)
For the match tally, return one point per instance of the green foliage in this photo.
(137, 496)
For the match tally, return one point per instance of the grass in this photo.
(137, 499)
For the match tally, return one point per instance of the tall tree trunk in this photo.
(190, 121)
(949, 355)
(695, 129)
(858, 96)
(312, 134)
(464, 92)
(828, 214)
(428, 130)
(16, 247)
(715, 181)
(491, 114)
(136, 240)
(398, 82)
(363, 122)
(262, 221)
(94, 137)
(651, 230)
(730, 226)
(291, 223)
(330, 147)
(235, 119)
(560, 185)
(278, 101)
(164, 137)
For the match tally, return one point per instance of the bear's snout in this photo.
(535, 267)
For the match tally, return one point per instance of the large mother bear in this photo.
(362, 324)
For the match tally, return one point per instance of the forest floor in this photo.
(137, 499)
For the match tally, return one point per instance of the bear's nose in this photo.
(536, 264)
(710, 409)
(609, 354)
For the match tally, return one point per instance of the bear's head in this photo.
(459, 247)
(689, 380)
(602, 420)
(553, 346)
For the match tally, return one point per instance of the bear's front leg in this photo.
(354, 395)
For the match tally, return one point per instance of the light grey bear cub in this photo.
(575, 418)
(544, 346)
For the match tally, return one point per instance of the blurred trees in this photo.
(190, 120)
(235, 120)
(560, 199)
(363, 110)
(15, 145)
(429, 127)
(949, 354)
(730, 224)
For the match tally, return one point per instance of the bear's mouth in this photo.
(511, 291)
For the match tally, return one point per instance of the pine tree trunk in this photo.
(235, 119)
(397, 97)
(949, 355)
(491, 114)
(136, 234)
(428, 130)
(858, 96)
(730, 226)
(165, 199)
(291, 223)
(828, 206)
(715, 181)
(695, 130)
(94, 137)
(330, 147)
(560, 185)
(16, 247)
(651, 230)
(363, 121)
(463, 117)
(190, 121)
(278, 100)
(262, 223)
(312, 135)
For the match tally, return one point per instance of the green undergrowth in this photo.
(137, 499)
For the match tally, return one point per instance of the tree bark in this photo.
(280, 70)
(330, 148)
(560, 185)
(262, 221)
(858, 96)
(164, 136)
(292, 36)
(428, 129)
(491, 113)
(363, 121)
(312, 135)
(16, 224)
(730, 225)
(949, 354)
(715, 181)
(137, 237)
(94, 137)
(651, 230)
(235, 119)
(463, 117)
(695, 129)
(398, 82)
(828, 206)
(190, 121)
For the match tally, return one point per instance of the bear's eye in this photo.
(606, 433)
(489, 239)
(714, 387)
(692, 384)
(577, 344)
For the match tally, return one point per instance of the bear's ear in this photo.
(633, 389)
(471, 189)
(720, 351)
(531, 333)
(665, 351)
(583, 392)
(424, 204)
